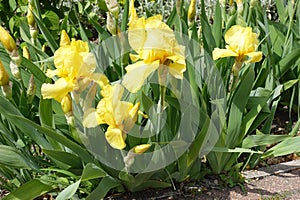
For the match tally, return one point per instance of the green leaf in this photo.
(287, 146)
(45, 112)
(80, 151)
(262, 140)
(30, 190)
(47, 35)
(240, 99)
(152, 184)
(51, 20)
(69, 191)
(146, 102)
(12, 5)
(36, 71)
(208, 39)
(287, 63)
(9, 111)
(288, 84)
(10, 157)
(92, 171)
(217, 26)
(280, 10)
(173, 16)
(104, 34)
(105, 185)
(125, 16)
(65, 157)
(198, 142)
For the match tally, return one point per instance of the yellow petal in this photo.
(137, 34)
(254, 57)
(88, 66)
(220, 53)
(155, 17)
(177, 69)
(68, 62)
(131, 117)
(121, 113)
(90, 118)
(64, 39)
(105, 112)
(241, 39)
(141, 148)
(132, 13)
(57, 91)
(80, 45)
(117, 93)
(137, 74)
(115, 138)
(134, 57)
(101, 79)
(51, 73)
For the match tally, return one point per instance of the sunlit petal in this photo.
(115, 138)
(220, 53)
(254, 57)
(90, 118)
(137, 74)
(57, 90)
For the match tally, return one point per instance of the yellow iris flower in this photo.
(119, 115)
(74, 66)
(155, 45)
(242, 44)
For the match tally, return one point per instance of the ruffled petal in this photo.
(68, 62)
(254, 57)
(121, 113)
(137, 74)
(99, 78)
(177, 69)
(88, 66)
(115, 138)
(241, 39)
(105, 112)
(90, 118)
(137, 34)
(117, 93)
(220, 53)
(80, 45)
(57, 90)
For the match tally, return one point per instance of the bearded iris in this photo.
(74, 67)
(242, 44)
(156, 46)
(120, 116)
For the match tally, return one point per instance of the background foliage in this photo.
(41, 154)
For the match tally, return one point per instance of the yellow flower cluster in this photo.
(74, 67)
(119, 115)
(242, 44)
(156, 46)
